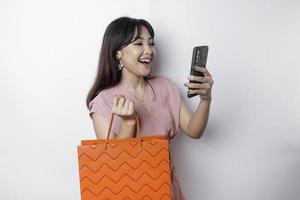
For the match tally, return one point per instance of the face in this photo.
(137, 57)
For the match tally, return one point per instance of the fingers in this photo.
(207, 76)
(122, 106)
(203, 70)
(200, 92)
(198, 88)
(200, 79)
(130, 108)
(203, 85)
(197, 85)
(115, 104)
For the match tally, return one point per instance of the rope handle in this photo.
(111, 121)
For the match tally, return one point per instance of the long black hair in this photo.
(118, 34)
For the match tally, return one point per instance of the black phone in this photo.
(199, 58)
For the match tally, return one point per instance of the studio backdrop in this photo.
(48, 59)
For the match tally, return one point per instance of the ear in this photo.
(119, 54)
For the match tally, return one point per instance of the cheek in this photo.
(131, 56)
(135, 53)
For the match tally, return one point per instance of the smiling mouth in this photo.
(145, 61)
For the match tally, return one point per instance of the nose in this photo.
(148, 49)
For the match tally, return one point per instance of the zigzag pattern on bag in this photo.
(131, 169)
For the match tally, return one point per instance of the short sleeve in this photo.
(100, 107)
(174, 102)
(103, 107)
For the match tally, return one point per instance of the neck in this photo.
(132, 82)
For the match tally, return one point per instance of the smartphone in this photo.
(198, 59)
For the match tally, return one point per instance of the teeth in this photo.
(145, 60)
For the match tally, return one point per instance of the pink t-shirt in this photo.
(164, 100)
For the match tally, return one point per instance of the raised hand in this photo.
(204, 87)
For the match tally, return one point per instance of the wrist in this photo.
(206, 98)
(130, 121)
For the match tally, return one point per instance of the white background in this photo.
(48, 58)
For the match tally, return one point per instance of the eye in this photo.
(152, 44)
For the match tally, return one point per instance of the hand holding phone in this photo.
(199, 58)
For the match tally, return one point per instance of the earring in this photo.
(120, 66)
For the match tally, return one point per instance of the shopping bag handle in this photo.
(111, 121)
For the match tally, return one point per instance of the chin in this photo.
(146, 72)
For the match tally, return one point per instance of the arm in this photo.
(127, 129)
(194, 124)
(123, 108)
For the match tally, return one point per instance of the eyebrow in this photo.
(138, 37)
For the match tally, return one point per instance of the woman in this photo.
(123, 85)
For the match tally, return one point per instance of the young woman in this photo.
(124, 86)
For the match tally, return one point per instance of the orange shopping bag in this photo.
(135, 168)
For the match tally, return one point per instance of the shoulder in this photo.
(165, 86)
(104, 97)
(158, 78)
